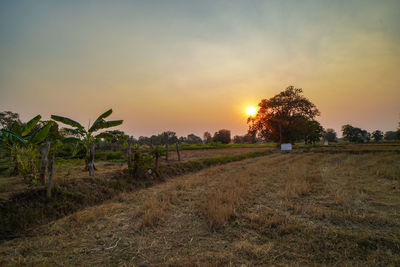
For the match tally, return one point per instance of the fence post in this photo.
(129, 152)
(177, 151)
(166, 152)
(50, 171)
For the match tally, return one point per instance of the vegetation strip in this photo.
(31, 208)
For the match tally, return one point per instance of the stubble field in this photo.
(297, 209)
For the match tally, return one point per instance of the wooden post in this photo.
(129, 152)
(177, 151)
(50, 171)
(44, 152)
(157, 163)
(91, 159)
(166, 152)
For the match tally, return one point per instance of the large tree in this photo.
(283, 117)
(223, 136)
(7, 118)
(355, 134)
(377, 135)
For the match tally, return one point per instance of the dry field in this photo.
(187, 155)
(296, 209)
(74, 169)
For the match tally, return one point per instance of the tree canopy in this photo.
(355, 134)
(284, 117)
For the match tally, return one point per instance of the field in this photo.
(337, 207)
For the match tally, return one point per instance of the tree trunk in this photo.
(13, 164)
(91, 159)
(50, 172)
(136, 164)
(157, 163)
(129, 153)
(44, 152)
(177, 151)
(166, 152)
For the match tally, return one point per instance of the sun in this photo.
(251, 111)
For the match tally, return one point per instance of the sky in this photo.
(194, 66)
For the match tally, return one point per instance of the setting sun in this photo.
(251, 111)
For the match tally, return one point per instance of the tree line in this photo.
(289, 117)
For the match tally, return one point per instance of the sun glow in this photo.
(251, 111)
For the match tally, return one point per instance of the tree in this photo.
(223, 136)
(377, 135)
(330, 135)
(193, 139)
(354, 134)
(119, 139)
(237, 139)
(391, 135)
(282, 117)
(7, 118)
(313, 131)
(168, 137)
(87, 137)
(207, 138)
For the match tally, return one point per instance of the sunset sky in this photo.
(194, 66)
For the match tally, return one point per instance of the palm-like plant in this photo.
(22, 141)
(88, 137)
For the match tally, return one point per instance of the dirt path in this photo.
(279, 209)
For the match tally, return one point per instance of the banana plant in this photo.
(22, 142)
(88, 137)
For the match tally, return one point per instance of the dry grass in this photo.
(221, 204)
(281, 209)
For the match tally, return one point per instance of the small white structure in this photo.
(326, 143)
(286, 147)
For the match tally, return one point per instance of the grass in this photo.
(30, 207)
(278, 209)
(220, 145)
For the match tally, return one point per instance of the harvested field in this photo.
(74, 169)
(187, 155)
(297, 209)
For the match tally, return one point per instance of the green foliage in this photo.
(157, 151)
(109, 155)
(377, 135)
(354, 134)
(142, 162)
(7, 118)
(22, 143)
(27, 128)
(68, 121)
(87, 137)
(330, 135)
(223, 136)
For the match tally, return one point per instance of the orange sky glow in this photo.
(192, 67)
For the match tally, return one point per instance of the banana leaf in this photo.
(41, 134)
(108, 136)
(72, 131)
(27, 128)
(100, 120)
(16, 128)
(68, 122)
(105, 124)
(13, 137)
